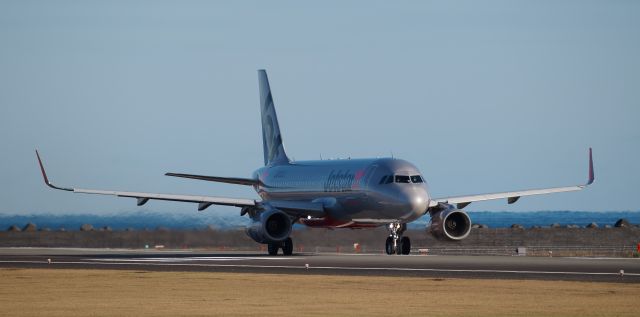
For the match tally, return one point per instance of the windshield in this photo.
(403, 179)
(416, 179)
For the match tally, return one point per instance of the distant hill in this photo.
(225, 220)
(135, 220)
(504, 219)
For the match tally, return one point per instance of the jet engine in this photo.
(450, 224)
(269, 226)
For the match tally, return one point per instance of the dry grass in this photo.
(57, 292)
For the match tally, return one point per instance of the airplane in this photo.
(346, 193)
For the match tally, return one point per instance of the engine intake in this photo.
(269, 226)
(450, 224)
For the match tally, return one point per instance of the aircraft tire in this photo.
(273, 248)
(287, 246)
(405, 246)
(388, 247)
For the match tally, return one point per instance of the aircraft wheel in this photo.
(405, 246)
(388, 247)
(273, 248)
(287, 246)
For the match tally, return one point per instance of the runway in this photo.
(488, 267)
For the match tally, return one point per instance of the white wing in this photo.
(144, 197)
(512, 197)
(294, 208)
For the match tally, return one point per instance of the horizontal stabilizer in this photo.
(228, 180)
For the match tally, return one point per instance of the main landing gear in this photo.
(396, 243)
(286, 245)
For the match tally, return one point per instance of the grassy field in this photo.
(58, 292)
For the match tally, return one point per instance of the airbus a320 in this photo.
(349, 193)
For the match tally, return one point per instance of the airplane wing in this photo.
(296, 209)
(143, 198)
(512, 197)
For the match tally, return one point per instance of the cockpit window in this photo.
(402, 179)
(416, 179)
(389, 179)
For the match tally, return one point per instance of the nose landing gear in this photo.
(396, 243)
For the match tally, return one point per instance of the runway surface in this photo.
(495, 267)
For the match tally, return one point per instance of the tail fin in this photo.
(271, 139)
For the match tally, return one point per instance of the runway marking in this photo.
(601, 258)
(189, 259)
(111, 250)
(300, 267)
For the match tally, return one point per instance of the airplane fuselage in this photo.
(355, 192)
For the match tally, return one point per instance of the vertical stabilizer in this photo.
(271, 138)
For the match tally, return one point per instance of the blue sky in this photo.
(481, 96)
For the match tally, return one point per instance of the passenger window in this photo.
(402, 179)
(416, 179)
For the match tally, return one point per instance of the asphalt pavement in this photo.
(427, 266)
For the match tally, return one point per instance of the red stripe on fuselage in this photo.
(328, 222)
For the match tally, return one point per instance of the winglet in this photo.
(46, 179)
(591, 174)
(44, 174)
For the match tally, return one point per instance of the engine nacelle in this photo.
(269, 227)
(450, 224)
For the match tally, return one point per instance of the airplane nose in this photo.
(417, 199)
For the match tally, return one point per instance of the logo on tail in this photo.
(271, 138)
